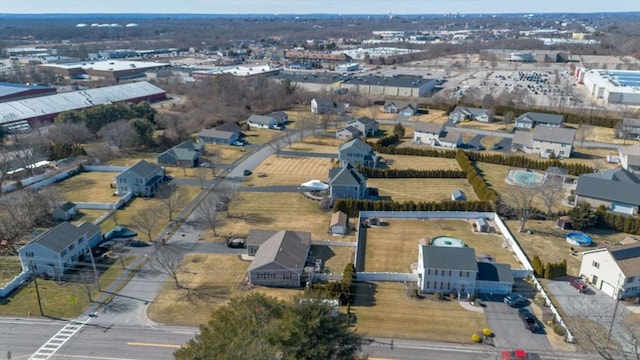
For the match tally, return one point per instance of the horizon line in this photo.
(320, 13)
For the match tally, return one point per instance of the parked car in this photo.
(514, 355)
(515, 300)
(579, 284)
(238, 143)
(529, 320)
(247, 172)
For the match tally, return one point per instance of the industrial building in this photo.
(109, 69)
(246, 72)
(541, 56)
(397, 85)
(46, 108)
(13, 91)
(314, 82)
(611, 86)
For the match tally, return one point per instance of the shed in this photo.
(458, 195)
(339, 223)
(564, 223)
(65, 212)
(482, 225)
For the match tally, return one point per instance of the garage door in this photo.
(493, 287)
(622, 208)
(607, 288)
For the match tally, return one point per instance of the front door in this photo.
(594, 280)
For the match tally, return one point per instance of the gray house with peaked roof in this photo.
(629, 128)
(59, 249)
(444, 269)
(357, 152)
(545, 141)
(404, 108)
(348, 133)
(427, 133)
(224, 134)
(462, 113)
(532, 119)
(141, 179)
(187, 154)
(617, 189)
(366, 125)
(347, 182)
(324, 106)
(262, 121)
(65, 212)
(280, 260)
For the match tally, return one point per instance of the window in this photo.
(596, 265)
(63, 253)
(436, 272)
(72, 246)
(427, 286)
(449, 272)
(631, 279)
(428, 272)
(81, 240)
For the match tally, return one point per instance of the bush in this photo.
(454, 294)
(472, 298)
(487, 332)
(558, 329)
(438, 295)
(476, 338)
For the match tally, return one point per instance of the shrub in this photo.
(487, 332)
(476, 338)
(472, 298)
(558, 329)
(438, 295)
(454, 294)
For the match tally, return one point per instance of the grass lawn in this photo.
(420, 189)
(549, 243)
(277, 211)
(602, 134)
(89, 215)
(63, 300)
(124, 215)
(216, 278)
(290, 170)
(132, 159)
(225, 154)
(334, 258)
(492, 126)
(419, 162)
(10, 267)
(90, 186)
(316, 144)
(261, 136)
(384, 310)
(395, 247)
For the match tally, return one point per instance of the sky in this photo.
(315, 6)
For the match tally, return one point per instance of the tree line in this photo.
(480, 186)
(584, 217)
(569, 117)
(548, 270)
(412, 173)
(352, 206)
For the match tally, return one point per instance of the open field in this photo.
(419, 162)
(90, 186)
(384, 310)
(290, 170)
(395, 247)
(277, 211)
(214, 279)
(324, 145)
(261, 136)
(65, 300)
(10, 267)
(549, 243)
(225, 154)
(420, 189)
(124, 215)
(334, 258)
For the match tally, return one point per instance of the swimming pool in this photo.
(524, 177)
(447, 241)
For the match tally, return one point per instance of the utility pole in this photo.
(93, 264)
(615, 309)
(35, 281)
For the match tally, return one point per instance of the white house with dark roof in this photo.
(462, 113)
(324, 106)
(629, 128)
(404, 108)
(545, 141)
(280, 260)
(629, 157)
(532, 119)
(614, 270)
(617, 189)
(65, 212)
(57, 250)
(225, 134)
(141, 179)
(450, 139)
(366, 125)
(427, 133)
(262, 122)
(357, 152)
(348, 133)
(186, 154)
(346, 182)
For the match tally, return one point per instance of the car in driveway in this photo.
(579, 285)
(515, 300)
(516, 354)
(530, 321)
(247, 172)
(238, 143)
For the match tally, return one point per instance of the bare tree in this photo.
(597, 336)
(166, 260)
(145, 221)
(521, 198)
(84, 280)
(5, 166)
(202, 174)
(277, 143)
(551, 194)
(119, 248)
(207, 213)
(173, 199)
(69, 133)
(305, 122)
(583, 132)
(118, 134)
(225, 191)
(508, 118)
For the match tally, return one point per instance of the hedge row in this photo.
(529, 163)
(411, 173)
(623, 223)
(480, 186)
(568, 117)
(352, 206)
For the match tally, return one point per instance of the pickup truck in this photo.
(529, 320)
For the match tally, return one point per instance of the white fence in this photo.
(48, 181)
(13, 284)
(115, 206)
(521, 273)
(387, 276)
(103, 168)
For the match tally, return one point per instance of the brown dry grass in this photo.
(492, 126)
(261, 136)
(277, 211)
(226, 154)
(216, 278)
(334, 258)
(287, 170)
(10, 267)
(89, 215)
(549, 242)
(395, 247)
(419, 162)
(384, 310)
(317, 144)
(601, 134)
(421, 189)
(89, 186)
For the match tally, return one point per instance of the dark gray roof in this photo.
(288, 249)
(280, 116)
(488, 271)
(311, 78)
(261, 119)
(228, 126)
(346, 176)
(352, 130)
(356, 145)
(428, 127)
(522, 137)
(326, 102)
(67, 206)
(469, 110)
(554, 135)
(458, 194)
(364, 120)
(631, 122)
(89, 228)
(186, 150)
(617, 185)
(409, 81)
(627, 257)
(61, 236)
(257, 237)
(401, 104)
(449, 258)
(536, 118)
(144, 168)
(451, 137)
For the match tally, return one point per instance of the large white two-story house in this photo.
(615, 270)
(142, 179)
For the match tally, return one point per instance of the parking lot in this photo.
(509, 329)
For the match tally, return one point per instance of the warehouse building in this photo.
(611, 86)
(246, 72)
(13, 91)
(109, 69)
(396, 85)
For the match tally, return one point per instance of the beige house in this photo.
(545, 141)
(629, 157)
(280, 260)
(615, 270)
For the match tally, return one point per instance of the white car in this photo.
(314, 185)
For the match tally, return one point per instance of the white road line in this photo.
(58, 340)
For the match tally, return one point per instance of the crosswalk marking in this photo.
(52, 345)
